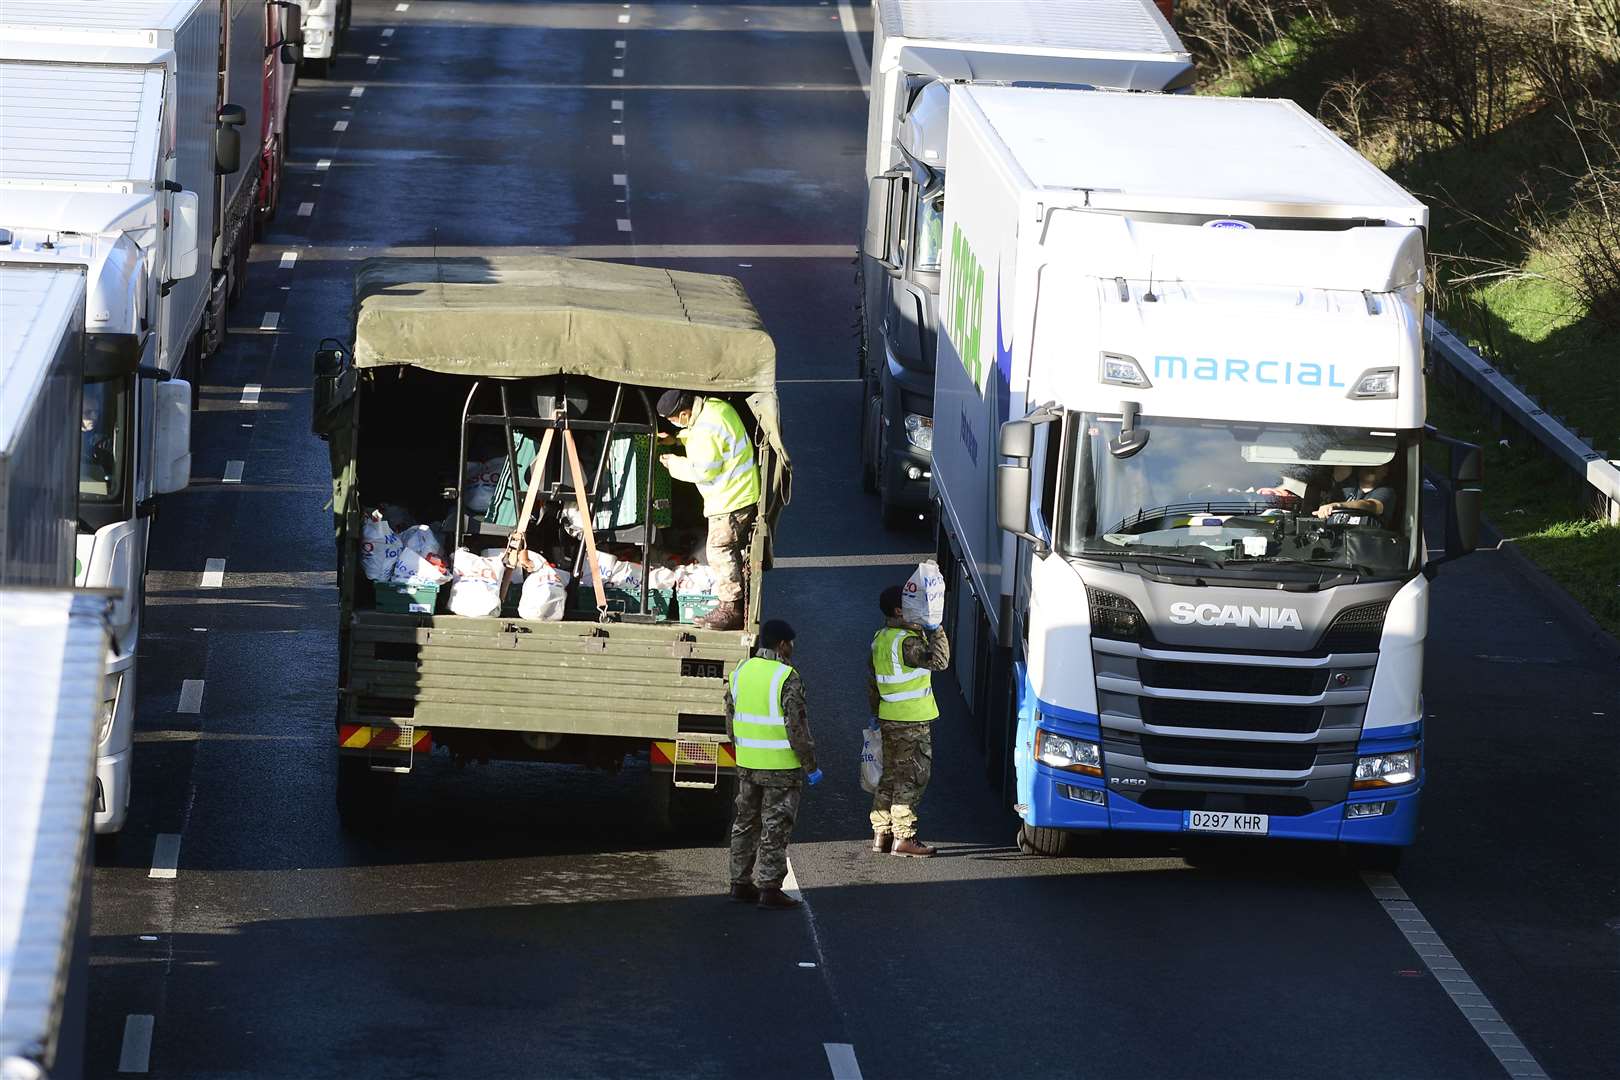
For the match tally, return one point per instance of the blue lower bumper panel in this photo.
(1056, 807)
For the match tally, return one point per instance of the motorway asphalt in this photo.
(526, 921)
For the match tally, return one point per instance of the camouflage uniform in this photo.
(727, 551)
(768, 799)
(908, 746)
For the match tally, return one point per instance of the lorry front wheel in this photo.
(316, 67)
(866, 436)
(893, 515)
(1034, 840)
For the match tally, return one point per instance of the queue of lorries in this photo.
(142, 150)
(1152, 362)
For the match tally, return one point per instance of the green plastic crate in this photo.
(622, 601)
(406, 599)
(690, 606)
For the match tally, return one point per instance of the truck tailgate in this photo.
(501, 674)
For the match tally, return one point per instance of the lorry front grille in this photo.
(1228, 753)
(1230, 715)
(1232, 678)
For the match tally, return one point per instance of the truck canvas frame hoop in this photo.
(473, 368)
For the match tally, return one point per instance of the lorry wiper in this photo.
(1164, 556)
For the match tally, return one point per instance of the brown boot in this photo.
(727, 615)
(882, 842)
(912, 848)
(744, 892)
(777, 900)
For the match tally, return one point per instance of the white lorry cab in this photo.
(1180, 416)
(922, 51)
(324, 23)
(127, 207)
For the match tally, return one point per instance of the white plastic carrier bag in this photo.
(871, 757)
(923, 600)
(478, 487)
(379, 547)
(545, 594)
(476, 588)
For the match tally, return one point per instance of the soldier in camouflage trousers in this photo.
(901, 695)
(770, 732)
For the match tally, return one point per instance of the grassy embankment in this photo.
(1498, 198)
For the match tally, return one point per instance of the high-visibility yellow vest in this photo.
(722, 458)
(905, 693)
(758, 723)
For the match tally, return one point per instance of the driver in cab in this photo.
(1366, 496)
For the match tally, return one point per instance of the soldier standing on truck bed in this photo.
(719, 459)
(768, 727)
(901, 693)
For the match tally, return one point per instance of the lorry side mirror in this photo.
(1012, 498)
(182, 235)
(232, 115)
(227, 149)
(292, 24)
(291, 54)
(171, 437)
(1466, 504)
(330, 365)
(1467, 464)
(1017, 439)
(328, 362)
(880, 206)
(1131, 439)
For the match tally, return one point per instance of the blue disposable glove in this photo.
(875, 726)
(930, 627)
(814, 778)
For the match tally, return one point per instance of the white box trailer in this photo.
(136, 99)
(41, 375)
(52, 643)
(922, 51)
(1197, 593)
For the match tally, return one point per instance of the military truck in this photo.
(460, 360)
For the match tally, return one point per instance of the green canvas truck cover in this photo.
(522, 316)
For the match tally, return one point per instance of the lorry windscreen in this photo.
(1250, 498)
(103, 435)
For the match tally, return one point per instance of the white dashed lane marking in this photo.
(618, 140)
(388, 31)
(289, 259)
(213, 575)
(624, 224)
(358, 91)
(233, 472)
(841, 1059)
(323, 164)
(341, 125)
(616, 105)
(250, 393)
(191, 693)
(271, 320)
(618, 73)
(402, 7)
(135, 1055)
(165, 857)
(1456, 982)
(305, 209)
(373, 59)
(621, 179)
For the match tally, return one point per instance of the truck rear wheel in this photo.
(364, 796)
(1034, 840)
(691, 813)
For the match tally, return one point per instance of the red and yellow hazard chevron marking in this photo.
(384, 737)
(664, 753)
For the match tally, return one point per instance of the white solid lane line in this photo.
(191, 692)
(305, 209)
(1456, 982)
(135, 1056)
(852, 38)
(165, 857)
(271, 320)
(841, 1059)
(213, 576)
(233, 472)
(250, 393)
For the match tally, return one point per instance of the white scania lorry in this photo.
(126, 205)
(921, 51)
(1180, 411)
(325, 22)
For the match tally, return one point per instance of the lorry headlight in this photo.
(1114, 616)
(1062, 752)
(1377, 383)
(1386, 770)
(920, 431)
(1122, 370)
(313, 36)
(109, 709)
